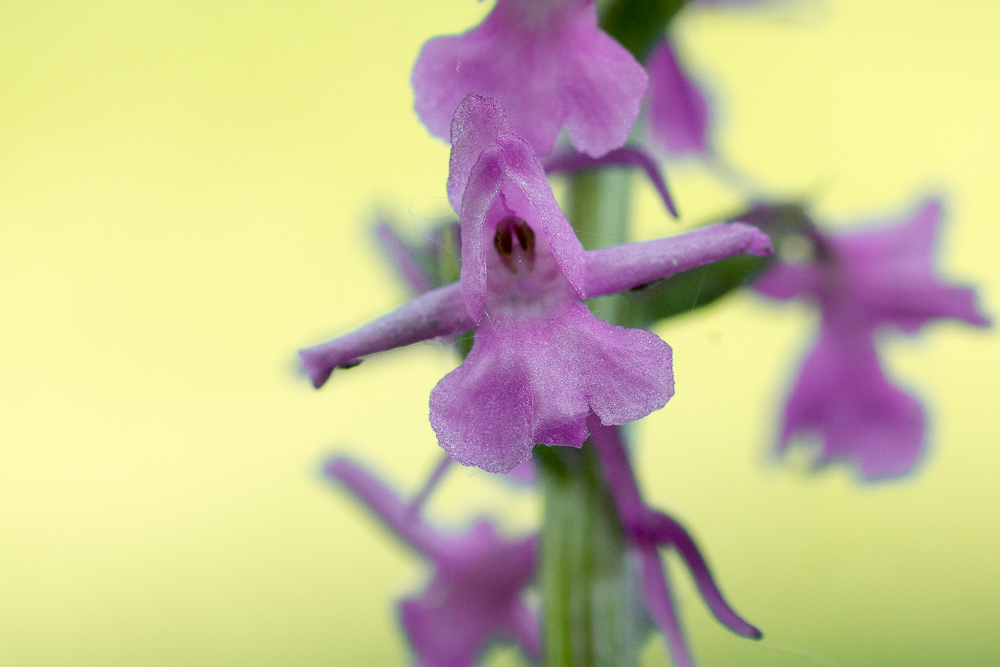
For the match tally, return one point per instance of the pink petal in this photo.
(502, 164)
(617, 472)
(891, 267)
(630, 265)
(784, 281)
(535, 379)
(385, 504)
(477, 123)
(842, 396)
(441, 312)
(666, 531)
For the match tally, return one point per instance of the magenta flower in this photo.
(648, 530)
(863, 280)
(676, 110)
(540, 361)
(479, 579)
(549, 65)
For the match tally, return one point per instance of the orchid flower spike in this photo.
(479, 579)
(648, 530)
(863, 280)
(540, 361)
(550, 66)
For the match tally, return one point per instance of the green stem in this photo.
(590, 602)
(588, 586)
(599, 209)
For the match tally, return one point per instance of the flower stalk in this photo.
(591, 605)
(590, 602)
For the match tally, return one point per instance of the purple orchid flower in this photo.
(540, 361)
(863, 280)
(647, 531)
(550, 66)
(476, 594)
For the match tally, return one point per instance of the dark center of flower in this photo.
(514, 241)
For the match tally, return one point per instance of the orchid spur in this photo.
(540, 362)
(648, 530)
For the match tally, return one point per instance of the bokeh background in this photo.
(185, 191)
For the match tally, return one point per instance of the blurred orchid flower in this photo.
(863, 280)
(479, 579)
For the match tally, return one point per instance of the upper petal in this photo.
(386, 505)
(477, 123)
(500, 162)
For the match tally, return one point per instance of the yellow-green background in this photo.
(184, 190)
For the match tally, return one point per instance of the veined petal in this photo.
(630, 265)
(440, 312)
(535, 379)
(550, 66)
(477, 123)
(483, 187)
(526, 172)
